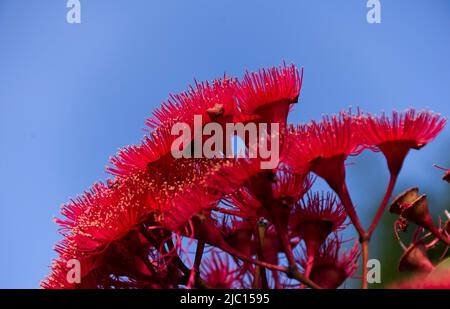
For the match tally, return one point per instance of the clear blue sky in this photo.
(71, 95)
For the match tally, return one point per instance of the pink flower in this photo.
(322, 147)
(215, 102)
(218, 272)
(394, 136)
(314, 219)
(269, 93)
(332, 267)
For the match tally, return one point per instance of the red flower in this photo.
(58, 277)
(332, 267)
(289, 187)
(243, 204)
(99, 226)
(322, 147)
(106, 212)
(396, 135)
(218, 272)
(136, 158)
(214, 102)
(315, 219)
(131, 262)
(269, 93)
(210, 100)
(129, 232)
(105, 216)
(239, 235)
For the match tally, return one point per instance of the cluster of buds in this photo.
(412, 208)
(251, 227)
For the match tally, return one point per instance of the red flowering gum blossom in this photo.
(315, 219)
(280, 188)
(322, 147)
(218, 272)
(394, 136)
(289, 186)
(214, 102)
(269, 93)
(331, 267)
(125, 263)
(266, 94)
(106, 212)
(103, 226)
(97, 228)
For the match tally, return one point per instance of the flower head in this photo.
(322, 147)
(106, 213)
(211, 100)
(332, 267)
(218, 273)
(289, 186)
(154, 147)
(269, 93)
(214, 102)
(394, 136)
(315, 218)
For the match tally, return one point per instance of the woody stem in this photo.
(198, 258)
(260, 275)
(292, 273)
(309, 265)
(198, 255)
(297, 275)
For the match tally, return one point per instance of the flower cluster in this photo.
(251, 227)
(412, 208)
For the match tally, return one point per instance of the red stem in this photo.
(346, 200)
(382, 207)
(309, 265)
(365, 258)
(293, 274)
(363, 236)
(197, 261)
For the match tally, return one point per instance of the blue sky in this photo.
(71, 95)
